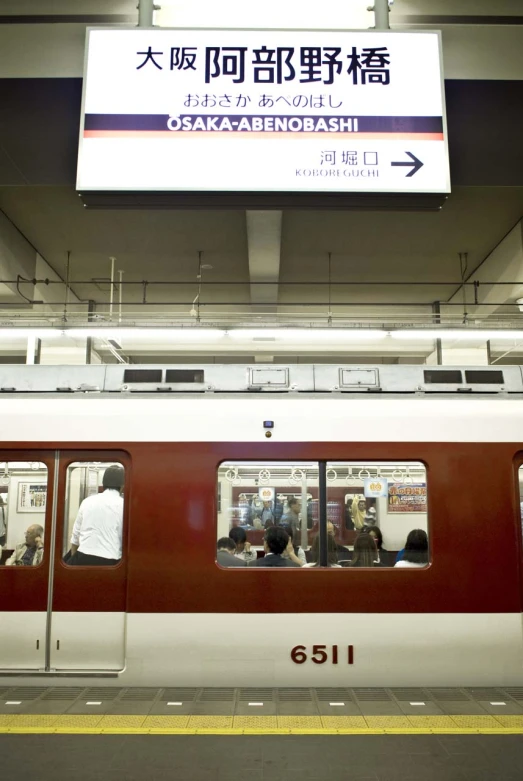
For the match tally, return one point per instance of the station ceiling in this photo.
(368, 249)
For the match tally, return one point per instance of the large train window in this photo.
(255, 500)
(373, 514)
(23, 501)
(383, 501)
(93, 522)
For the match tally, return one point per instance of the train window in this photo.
(381, 500)
(376, 514)
(184, 375)
(142, 375)
(93, 520)
(23, 503)
(257, 499)
(442, 376)
(484, 376)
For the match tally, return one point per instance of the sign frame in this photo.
(426, 198)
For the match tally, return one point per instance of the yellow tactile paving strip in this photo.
(260, 725)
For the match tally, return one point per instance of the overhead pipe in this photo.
(297, 283)
(120, 273)
(111, 292)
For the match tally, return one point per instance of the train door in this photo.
(88, 606)
(27, 497)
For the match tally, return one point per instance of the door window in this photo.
(23, 503)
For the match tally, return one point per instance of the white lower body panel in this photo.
(254, 649)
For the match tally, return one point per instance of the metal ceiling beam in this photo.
(264, 248)
(503, 264)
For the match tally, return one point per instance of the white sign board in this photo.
(375, 486)
(266, 494)
(263, 111)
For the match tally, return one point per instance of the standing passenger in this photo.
(358, 511)
(97, 533)
(292, 516)
(265, 514)
(3, 525)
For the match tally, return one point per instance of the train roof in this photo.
(261, 378)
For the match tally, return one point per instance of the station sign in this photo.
(196, 110)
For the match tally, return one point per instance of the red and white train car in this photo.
(187, 438)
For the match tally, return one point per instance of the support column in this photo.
(145, 13)
(264, 246)
(381, 15)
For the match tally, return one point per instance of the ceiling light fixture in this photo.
(457, 334)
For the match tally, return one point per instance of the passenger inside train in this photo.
(31, 552)
(365, 552)
(225, 553)
(332, 554)
(292, 551)
(416, 552)
(275, 542)
(96, 539)
(381, 499)
(242, 545)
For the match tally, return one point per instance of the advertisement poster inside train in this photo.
(263, 110)
(407, 498)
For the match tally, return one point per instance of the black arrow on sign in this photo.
(415, 162)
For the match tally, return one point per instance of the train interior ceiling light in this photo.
(276, 335)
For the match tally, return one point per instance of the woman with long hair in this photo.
(416, 552)
(332, 554)
(365, 551)
(383, 556)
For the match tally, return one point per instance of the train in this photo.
(198, 445)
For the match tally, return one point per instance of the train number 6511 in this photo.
(320, 654)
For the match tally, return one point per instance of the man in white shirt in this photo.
(97, 533)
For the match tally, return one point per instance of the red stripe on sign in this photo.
(267, 134)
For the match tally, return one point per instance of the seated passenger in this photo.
(383, 556)
(365, 552)
(416, 553)
(243, 548)
(31, 552)
(225, 550)
(343, 553)
(332, 555)
(275, 542)
(294, 552)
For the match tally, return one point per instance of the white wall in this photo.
(396, 526)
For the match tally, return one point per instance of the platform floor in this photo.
(261, 758)
(262, 711)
